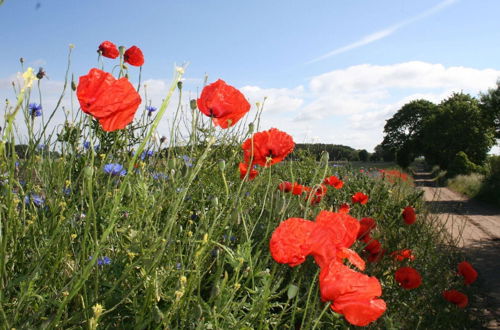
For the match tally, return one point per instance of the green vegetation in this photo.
(115, 230)
(468, 185)
(482, 183)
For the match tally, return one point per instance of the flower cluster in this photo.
(113, 102)
(327, 240)
(265, 149)
(456, 297)
(132, 56)
(393, 176)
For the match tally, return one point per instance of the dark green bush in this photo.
(461, 165)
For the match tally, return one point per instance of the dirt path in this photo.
(475, 228)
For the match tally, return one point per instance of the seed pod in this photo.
(222, 164)
(193, 104)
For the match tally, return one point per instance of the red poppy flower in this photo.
(409, 215)
(408, 277)
(344, 208)
(456, 297)
(333, 232)
(285, 186)
(223, 103)
(289, 242)
(366, 226)
(360, 198)
(393, 175)
(268, 147)
(376, 257)
(373, 246)
(134, 56)
(108, 49)
(403, 254)
(334, 182)
(244, 169)
(297, 189)
(468, 272)
(353, 294)
(112, 102)
(325, 239)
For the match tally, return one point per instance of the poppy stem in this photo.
(139, 83)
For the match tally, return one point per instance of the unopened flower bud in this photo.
(222, 164)
(193, 104)
(251, 127)
(215, 201)
(179, 85)
(325, 156)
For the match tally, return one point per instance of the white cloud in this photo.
(372, 37)
(350, 106)
(278, 100)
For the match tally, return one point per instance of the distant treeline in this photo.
(335, 152)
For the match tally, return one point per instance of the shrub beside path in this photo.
(474, 227)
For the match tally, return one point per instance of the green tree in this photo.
(363, 155)
(490, 106)
(458, 125)
(461, 165)
(404, 131)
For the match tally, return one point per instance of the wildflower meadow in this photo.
(216, 224)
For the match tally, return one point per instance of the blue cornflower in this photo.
(37, 200)
(41, 146)
(147, 154)
(187, 160)
(67, 191)
(35, 109)
(178, 266)
(159, 176)
(114, 169)
(104, 261)
(96, 148)
(150, 109)
(86, 145)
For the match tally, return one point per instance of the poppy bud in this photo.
(222, 164)
(73, 85)
(325, 156)
(215, 201)
(251, 127)
(21, 60)
(88, 172)
(193, 104)
(179, 85)
(292, 291)
(122, 50)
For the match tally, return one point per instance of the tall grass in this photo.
(468, 185)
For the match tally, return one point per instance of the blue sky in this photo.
(333, 71)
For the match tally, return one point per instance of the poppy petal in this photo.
(289, 242)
